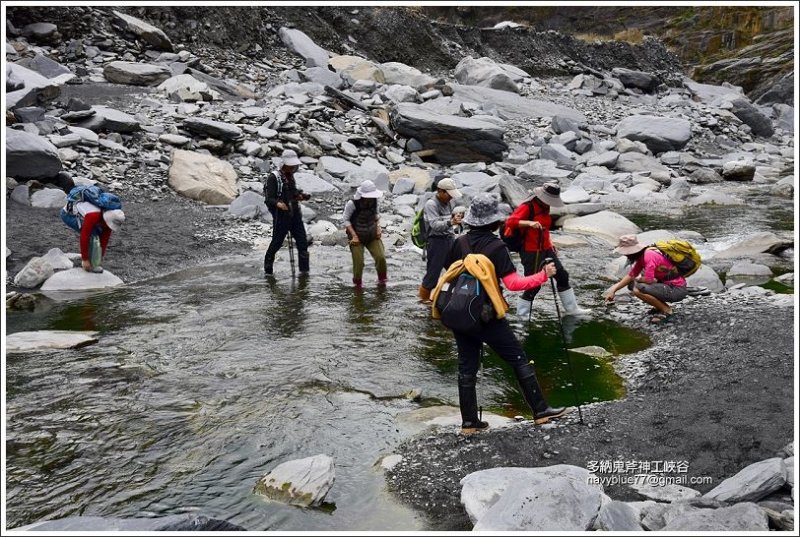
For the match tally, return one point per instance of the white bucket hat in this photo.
(367, 189)
(114, 219)
(549, 193)
(289, 158)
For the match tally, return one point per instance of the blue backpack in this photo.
(95, 195)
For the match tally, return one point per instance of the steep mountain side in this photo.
(383, 34)
(748, 46)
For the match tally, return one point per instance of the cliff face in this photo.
(752, 47)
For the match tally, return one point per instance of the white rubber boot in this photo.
(571, 304)
(523, 308)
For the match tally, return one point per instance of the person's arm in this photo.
(104, 238)
(513, 221)
(436, 222)
(271, 193)
(349, 210)
(514, 282)
(609, 296)
(90, 221)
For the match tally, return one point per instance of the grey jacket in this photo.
(437, 217)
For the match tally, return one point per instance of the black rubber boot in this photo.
(468, 402)
(269, 260)
(303, 261)
(532, 392)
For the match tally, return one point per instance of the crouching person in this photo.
(94, 214)
(483, 219)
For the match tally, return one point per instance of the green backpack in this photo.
(419, 230)
(682, 254)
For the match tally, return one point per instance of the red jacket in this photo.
(92, 221)
(541, 214)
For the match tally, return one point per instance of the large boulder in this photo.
(41, 340)
(202, 177)
(304, 46)
(48, 198)
(507, 105)
(353, 68)
(452, 139)
(755, 244)
(110, 119)
(605, 224)
(751, 483)
(312, 184)
(36, 271)
(301, 482)
(636, 79)
(760, 124)
(659, 134)
(147, 32)
(484, 72)
(136, 74)
(29, 156)
(26, 87)
(215, 129)
(617, 516)
(250, 205)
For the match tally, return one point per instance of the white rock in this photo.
(751, 483)
(77, 279)
(202, 177)
(302, 482)
(605, 224)
(58, 259)
(36, 271)
(48, 198)
(48, 339)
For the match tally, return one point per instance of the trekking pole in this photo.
(536, 264)
(564, 342)
(291, 253)
(480, 380)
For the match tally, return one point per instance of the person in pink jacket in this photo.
(653, 278)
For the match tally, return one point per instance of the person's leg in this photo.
(565, 293)
(357, 253)
(499, 336)
(437, 249)
(298, 230)
(469, 351)
(659, 295)
(378, 253)
(280, 227)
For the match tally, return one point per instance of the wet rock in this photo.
(20, 301)
(49, 339)
(29, 156)
(215, 129)
(739, 517)
(301, 482)
(752, 483)
(77, 279)
(202, 177)
(592, 350)
(146, 32)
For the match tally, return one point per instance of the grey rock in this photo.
(636, 79)
(29, 88)
(29, 156)
(738, 170)
(304, 46)
(215, 129)
(40, 31)
(617, 516)
(751, 483)
(559, 154)
(48, 198)
(507, 105)
(740, 517)
(754, 244)
(760, 124)
(303, 482)
(147, 32)
(36, 271)
(322, 76)
(21, 194)
(47, 340)
(660, 134)
(561, 124)
(704, 176)
(249, 205)
(29, 114)
(109, 119)
(484, 72)
(540, 171)
(57, 259)
(185, 87)
(453, 139)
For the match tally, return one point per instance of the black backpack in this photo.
(463, 303)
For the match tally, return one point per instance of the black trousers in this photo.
(437, 249)
(283, 223)
(530, 266)
(499, 336)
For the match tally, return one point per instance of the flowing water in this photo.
(204, 380)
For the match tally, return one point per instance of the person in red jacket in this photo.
(94, 221)
(534, 219)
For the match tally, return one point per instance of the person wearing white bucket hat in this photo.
(363, 227)
(440, 221)
(534, 220)
(282, 198)
(94, 214)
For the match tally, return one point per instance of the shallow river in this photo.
(206, 379)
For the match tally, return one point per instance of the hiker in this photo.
(483, 219)
(534, 219)
(459, 212)
(652, 278)
(282, 198)
(362, 223)
(93, 221)
(439, 221)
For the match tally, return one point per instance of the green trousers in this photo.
(376, 251)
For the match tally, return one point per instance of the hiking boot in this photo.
(357, 283)
(532, 392)
(424, 294)
(382, 278)
(96, 270)
(571, 304)
(303, 261)
(469, 427)
(468, 404)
